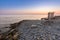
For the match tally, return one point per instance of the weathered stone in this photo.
(35, 30)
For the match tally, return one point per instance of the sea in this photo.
(6, 20)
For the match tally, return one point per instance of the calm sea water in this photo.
(8, 19)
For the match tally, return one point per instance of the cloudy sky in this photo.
(29, 6)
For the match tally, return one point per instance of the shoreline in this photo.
(36, 27)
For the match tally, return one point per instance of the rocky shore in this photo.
(36, 30)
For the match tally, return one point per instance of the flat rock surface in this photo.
(35, 30)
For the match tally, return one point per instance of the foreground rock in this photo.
(35, 30)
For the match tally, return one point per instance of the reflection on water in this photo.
(7, 19)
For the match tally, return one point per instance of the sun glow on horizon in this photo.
(34, 10)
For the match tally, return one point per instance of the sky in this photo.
(29, 7)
